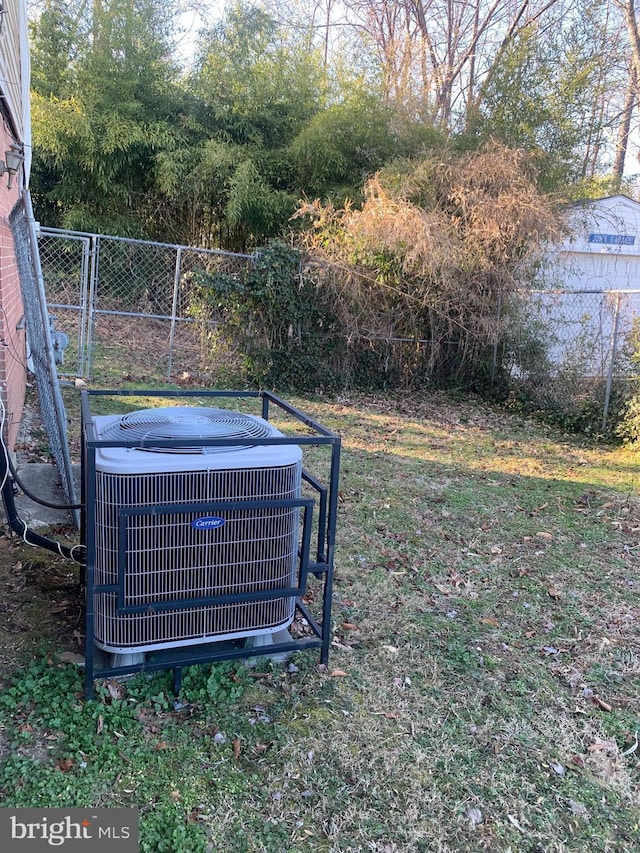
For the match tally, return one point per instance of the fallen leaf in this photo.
(633, 747)
(116, 690)
(543, 534)
(349, 626)
(602, 764)
(338, 673)
(65, 764)
(578, 809)
(236, 748)
(475, 816)
(604, 706)
(100, 724)
(489, 620)
(599, 746)
(514, 821)
(161, 745)
(553, 591)
(176, 795)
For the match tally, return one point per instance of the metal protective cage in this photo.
(171, 603)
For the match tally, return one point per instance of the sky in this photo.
(206, 13)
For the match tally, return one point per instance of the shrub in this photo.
(430, 255)
(275, 318)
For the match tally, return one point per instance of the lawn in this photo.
(483, 689)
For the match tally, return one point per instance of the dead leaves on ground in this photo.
(338, 673)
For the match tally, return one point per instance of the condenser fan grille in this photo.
(187, 424)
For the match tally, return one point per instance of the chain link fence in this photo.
(129, 307)
(569, 348)
(132, 311)
(41, 343)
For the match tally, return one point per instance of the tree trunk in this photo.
(622, 142)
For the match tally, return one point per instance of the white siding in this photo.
(14, 65)
(602, 253)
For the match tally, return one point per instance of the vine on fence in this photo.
(275, 318)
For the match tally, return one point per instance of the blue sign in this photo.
(207, 522)
(613, 239)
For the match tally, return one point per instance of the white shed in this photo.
(603, 249)
(596, 272)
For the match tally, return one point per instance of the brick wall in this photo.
(12, 338)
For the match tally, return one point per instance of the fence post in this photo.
(174, 311)
(494, 362)
(84, 299)
(612, 360)
(93, 284)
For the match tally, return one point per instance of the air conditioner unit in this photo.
(159, 547)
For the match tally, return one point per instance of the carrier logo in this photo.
(207, 522)
(43, 829)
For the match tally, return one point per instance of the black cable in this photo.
(30, 536)
(30, 494)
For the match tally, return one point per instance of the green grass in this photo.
(485, 618)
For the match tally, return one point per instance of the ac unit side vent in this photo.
(167, 559)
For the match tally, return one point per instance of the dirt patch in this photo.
(41, 603)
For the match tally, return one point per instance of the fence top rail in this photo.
(586, 292)
(68, 235)
(62, 232)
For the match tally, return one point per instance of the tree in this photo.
(632, 88)
(346, 143)
(57, 39)
(549, 93)
(436, 54)
(258, 83)
(101, 129)
(254, 86)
